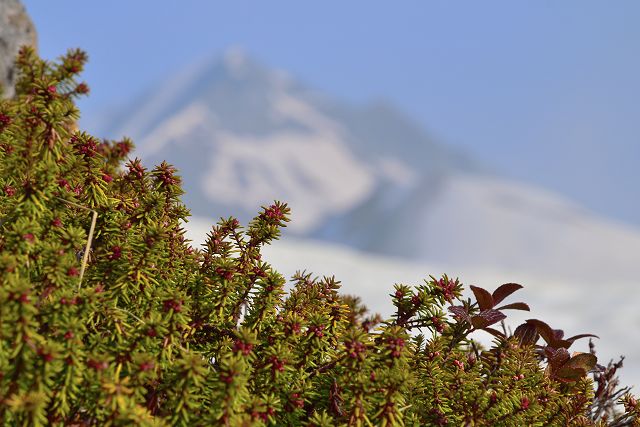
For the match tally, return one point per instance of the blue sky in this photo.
(542, 91)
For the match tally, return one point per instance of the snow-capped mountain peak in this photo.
(243, 135)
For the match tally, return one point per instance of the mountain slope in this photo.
(473, 220)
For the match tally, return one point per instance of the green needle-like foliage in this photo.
(109, 317)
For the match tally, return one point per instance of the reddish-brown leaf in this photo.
(515, 306)
(553, 337)
(543, 329)
(494, 332)
(504, 291)
(527, 334)
(460, 312)
(486, 318)
(563, 343)
(569, 375)
(557, 357)
(577, 337)
(584, 361)
(484, 298)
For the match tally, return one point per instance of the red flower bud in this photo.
(47, 357)
(259, 272)
(172, 304)
(295, 401)
(293, 328)
(147, 366)
(437, 323)
(4, 120)
(82, 88)
(243, 347)
(72, 301)
(122, 148)
(317, 330)
(227, 379)
(276, 364)
(447, 288)
(98, 365)
(274, 212)
(631, 404)
(63, 183)
(136, 169)
(87, 147)
(226, 274)
(116, 253)
(395, 345)
(355, 349)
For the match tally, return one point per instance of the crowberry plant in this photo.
(108, 316)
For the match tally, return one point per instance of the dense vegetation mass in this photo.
(109, 317)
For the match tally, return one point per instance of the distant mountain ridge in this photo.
(366, 177)
(243, 135)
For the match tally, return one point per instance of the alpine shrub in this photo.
(108, 316)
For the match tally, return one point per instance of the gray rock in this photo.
(16, 30)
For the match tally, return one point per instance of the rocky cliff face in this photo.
(16, 29)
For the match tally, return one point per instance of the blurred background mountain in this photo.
(498, 142)
(366, 177)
